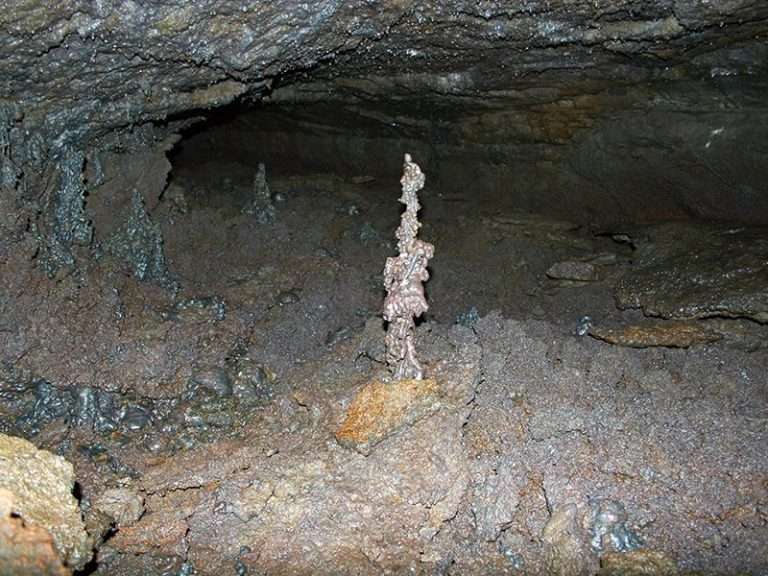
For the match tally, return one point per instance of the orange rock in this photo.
(25, 548)
(380, 410)
(669, 333)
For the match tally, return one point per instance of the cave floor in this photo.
(564, 438)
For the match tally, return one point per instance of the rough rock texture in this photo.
(25, 549)
(619, 433)
(122, 505)
(548, 454)
(154, 60)
(379, 410)
(288, 499)
(566, 544)
(674, 334)
(504, 85)
(726, 276)
(41, 484)
(217, 406)
(637, 563)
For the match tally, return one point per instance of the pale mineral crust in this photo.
(404, 277)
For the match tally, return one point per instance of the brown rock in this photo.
(380, 410)
(698, 271)
(155, 532)
(25, 549)
(566, 544)
(637, 563)
(123, 505)
(672, 334)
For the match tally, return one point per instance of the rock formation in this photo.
(404, 277)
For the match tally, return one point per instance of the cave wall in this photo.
(620, 154)
(636, 109)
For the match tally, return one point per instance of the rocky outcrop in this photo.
(41, 485)
(80, 69)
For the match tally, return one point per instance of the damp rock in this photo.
(287, 297)
(13, 380)
(86, 409)
(583, 325)
(41, 484)
(81, 407)
(212, 379)
(468, 318)
(154, 443)
(609, 531)
(202, 309)
(107, 416)
(139, 243)
(573, 270)
(134, 417)
(123, 505)
(261, 206)
(50, 404)
(10, 173)
(213, 413)
(69, 225)
(253, 384)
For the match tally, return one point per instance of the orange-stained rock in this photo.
(380, 410)
(669, 333)
(26, 549)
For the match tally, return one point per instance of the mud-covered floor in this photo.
(603, 392)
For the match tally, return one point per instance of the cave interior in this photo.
(197, 203)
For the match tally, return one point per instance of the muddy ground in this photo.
(589, 416)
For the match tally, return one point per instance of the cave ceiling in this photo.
(80, 69)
